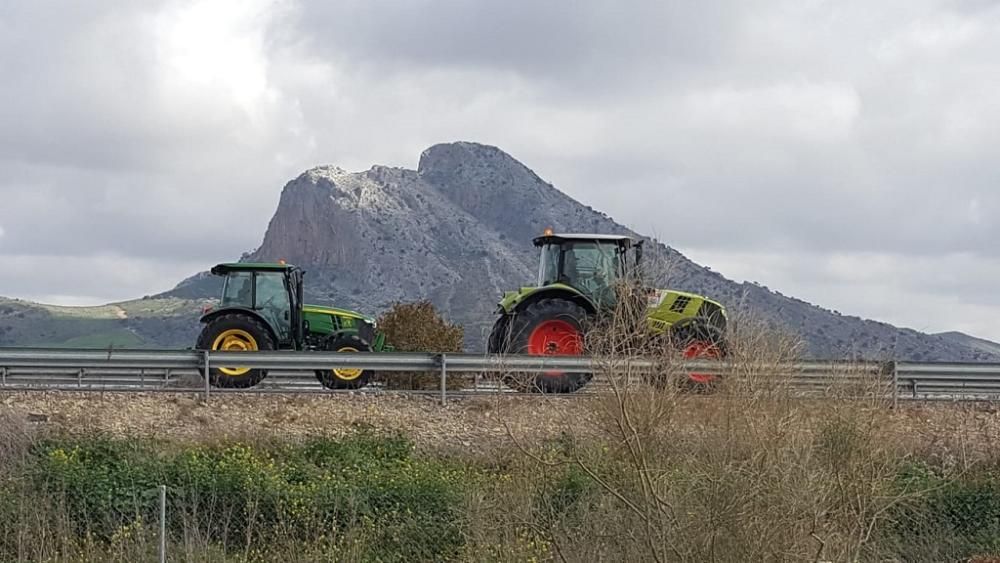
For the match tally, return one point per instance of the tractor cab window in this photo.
(589, 265)
(273, 301)
(238, 290)
(548, 270)
(592, 267)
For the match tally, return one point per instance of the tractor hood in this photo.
(320, 310)
(658, 296)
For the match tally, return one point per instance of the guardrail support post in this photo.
(3, 377)
(208, 385)
(79, 378)
(444, 380)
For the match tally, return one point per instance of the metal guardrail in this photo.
(947, 381)
(27, 369)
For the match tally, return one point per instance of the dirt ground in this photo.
(958, 432)
(466, 423)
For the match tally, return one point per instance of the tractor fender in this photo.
(210, 316)
(333, 336)
(526, 298)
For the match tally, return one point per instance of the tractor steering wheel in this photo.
(267, 304)
(588, 285)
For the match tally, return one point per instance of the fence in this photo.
(28, 369)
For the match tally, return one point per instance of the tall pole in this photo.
(163, 524)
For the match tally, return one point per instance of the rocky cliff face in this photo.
(458, 231)
(387, 234)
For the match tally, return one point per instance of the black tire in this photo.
(519, 341)
(499, 337)
(345, 379)
(497, 342)
(699, 340)
(216, 328)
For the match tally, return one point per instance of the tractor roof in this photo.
(566, 237)
(223, 269)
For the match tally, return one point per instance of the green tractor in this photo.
(262, 309)
(579, 281)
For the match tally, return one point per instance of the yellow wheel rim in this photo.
(347, 374)
(235, 340)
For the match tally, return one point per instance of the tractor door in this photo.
(593, 268)
(273, 302)
(293, 284)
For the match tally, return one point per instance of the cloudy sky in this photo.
(842, 152)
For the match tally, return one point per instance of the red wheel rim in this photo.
(555, 338)
(702, 350)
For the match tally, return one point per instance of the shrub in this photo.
(956, 519)
(241, 496)
(418, 327)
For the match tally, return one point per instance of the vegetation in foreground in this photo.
(798, 485)
(648, 472)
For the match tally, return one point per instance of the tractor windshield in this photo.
(238, 290)
(548, 269)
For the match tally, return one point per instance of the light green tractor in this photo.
(579, 281)
(262, 309)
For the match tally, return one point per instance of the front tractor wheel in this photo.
(235, 333)
(700, 343)
(345, 378)
(548, 327)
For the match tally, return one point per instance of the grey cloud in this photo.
(108, 277)
(598, 44)
(809, 130)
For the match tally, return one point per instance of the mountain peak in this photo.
(460, 154)
(324, 171)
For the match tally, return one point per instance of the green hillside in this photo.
(143, 323)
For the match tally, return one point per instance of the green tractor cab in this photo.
(578, 277)
(262, 308)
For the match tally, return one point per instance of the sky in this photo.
(842, 152)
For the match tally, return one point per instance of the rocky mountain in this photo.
(963, 339)
(458, 230)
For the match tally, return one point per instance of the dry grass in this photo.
(751, 473)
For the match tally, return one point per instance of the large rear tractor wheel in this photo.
(548, 327)
(235, 333)
(345, 378)
(700, 342)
